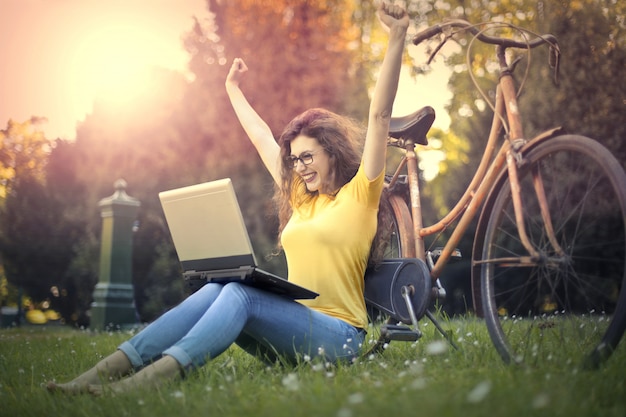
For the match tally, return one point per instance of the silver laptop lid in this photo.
(207, 226)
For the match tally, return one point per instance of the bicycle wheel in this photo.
(395, 228)
(386, 281)
(569, 306)
(399, 242)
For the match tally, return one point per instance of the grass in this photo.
(409, 379)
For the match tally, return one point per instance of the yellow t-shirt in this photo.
(327, 243)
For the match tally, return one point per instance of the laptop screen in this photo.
(207, 226)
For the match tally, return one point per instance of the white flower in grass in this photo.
(291, 382)
(317, 367)
(415, 368)
(356, 398)
(418, 384)
(541, 401)
(344, 412)
(480, 392)
(437, 347)
(178, 394)
(307, 358)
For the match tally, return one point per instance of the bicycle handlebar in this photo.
(554, 58)
(504, 42)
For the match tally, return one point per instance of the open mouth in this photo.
(309, 177)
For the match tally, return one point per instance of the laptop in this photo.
(212, 242)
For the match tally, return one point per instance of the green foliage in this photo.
(23, 151)
(8, 293)
(590, 97)
(37, 230)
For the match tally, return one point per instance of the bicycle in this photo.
(549, 254)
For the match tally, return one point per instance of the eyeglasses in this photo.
(306, 158)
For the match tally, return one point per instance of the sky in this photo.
(59, 55)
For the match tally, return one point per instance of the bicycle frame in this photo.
(488, 171)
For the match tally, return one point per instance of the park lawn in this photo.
(409, 379)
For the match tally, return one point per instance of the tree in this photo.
(33, 233)
(23, 150)
(591, 94)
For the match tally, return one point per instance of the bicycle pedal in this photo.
(400, 333)
(436, 253)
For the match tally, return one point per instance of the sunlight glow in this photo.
(112, 63)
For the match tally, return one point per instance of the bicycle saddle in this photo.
(413, 126)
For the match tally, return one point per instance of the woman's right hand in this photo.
(235, 75)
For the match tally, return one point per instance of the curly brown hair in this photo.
(342, 139)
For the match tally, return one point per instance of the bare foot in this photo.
(71, 388)
(111, 389)
(96, 390)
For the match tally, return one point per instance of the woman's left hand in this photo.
(393, 16)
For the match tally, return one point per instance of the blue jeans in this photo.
(207, 322)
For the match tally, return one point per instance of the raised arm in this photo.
(396, 20)
(257, 130)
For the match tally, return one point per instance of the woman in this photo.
(328, 194)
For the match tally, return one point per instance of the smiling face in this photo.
(317, 172)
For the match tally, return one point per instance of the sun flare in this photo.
(113, 63)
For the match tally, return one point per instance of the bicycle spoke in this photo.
(533, 307)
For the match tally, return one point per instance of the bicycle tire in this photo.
(400, 243)
(567, 309)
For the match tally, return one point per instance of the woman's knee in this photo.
(208, 293)
(235, 289)
(198, 302)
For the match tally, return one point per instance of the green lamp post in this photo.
(113, 298)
